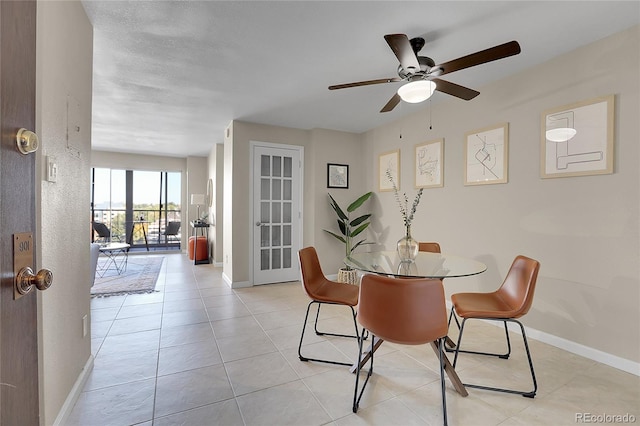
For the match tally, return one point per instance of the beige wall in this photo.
(236, 209)
(320, 147)
(197, 175)
(216, 218)
(329, 146)
(64, 70)
(583, 230)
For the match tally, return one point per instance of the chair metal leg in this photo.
(356, 396)
(304, 326)
(449, 345)
(528, 394)
(455, 317)
(457, 349)
(322, 333)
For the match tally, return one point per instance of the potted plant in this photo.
(349, 228)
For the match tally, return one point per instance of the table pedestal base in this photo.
(448, 368)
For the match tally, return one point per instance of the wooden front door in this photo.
(18, 320)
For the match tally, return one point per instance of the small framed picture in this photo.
(429, 166)
(486, 155)
(388, 171)
(337, 175)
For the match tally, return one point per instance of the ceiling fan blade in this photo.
(482, 57)
(395, 100)
(455, 89)
(401, 47)
(365, 83)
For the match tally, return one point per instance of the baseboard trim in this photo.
(585, 351)
(74, 394)
(237, 284)
(611, 360)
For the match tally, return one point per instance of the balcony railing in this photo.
(152, 221)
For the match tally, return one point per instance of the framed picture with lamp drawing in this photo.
(486, 155)
(577, 139)
(429, 166)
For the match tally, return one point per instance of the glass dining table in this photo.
(425, 265)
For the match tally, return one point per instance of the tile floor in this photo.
(198, 353)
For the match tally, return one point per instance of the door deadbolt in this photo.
(25, 280)
(27, 141)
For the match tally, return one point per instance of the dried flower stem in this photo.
(403, 201)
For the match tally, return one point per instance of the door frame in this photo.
(252, 146)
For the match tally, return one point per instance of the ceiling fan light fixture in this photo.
(561, 134)
(417, 91)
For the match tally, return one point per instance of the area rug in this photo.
(140, 276)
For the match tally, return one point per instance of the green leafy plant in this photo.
(350, 228)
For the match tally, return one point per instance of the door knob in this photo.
(26, 280)
(27, 141)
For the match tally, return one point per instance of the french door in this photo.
(277, 215)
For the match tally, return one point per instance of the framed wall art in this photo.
(486, 155)
(389, 161)
(577, 139)
(429, 166)
(337, 175)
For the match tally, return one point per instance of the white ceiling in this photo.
(169, 76)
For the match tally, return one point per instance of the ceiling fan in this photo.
(422, 71)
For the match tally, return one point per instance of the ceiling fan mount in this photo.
(426, 63)
(413, 67)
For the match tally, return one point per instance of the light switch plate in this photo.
(52, 169)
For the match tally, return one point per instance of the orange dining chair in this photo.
(323, 291)
(429, 247)
(405, 311)
(433, 247)
(510, 302)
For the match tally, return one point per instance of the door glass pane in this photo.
(264, 212)
(277, 166)
(286, 258)
(264, 236)
(275, 208)
(277, 189)
(287, 167)
(146, 206)
(265, 169)
(275, 236)
(286, 212)
(174, 195)
(286, 235)
(110, 201)
(264, 260)
(286, 189)
(264, 189)
(275, 261)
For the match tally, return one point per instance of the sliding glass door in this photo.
(137, 206)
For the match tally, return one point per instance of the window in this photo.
(132, 201)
